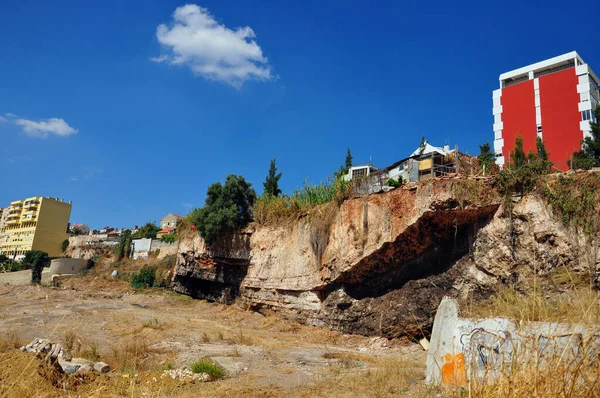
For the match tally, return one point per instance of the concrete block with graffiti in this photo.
(463, 350)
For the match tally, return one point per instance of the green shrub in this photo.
(170, 238)
(14, 267)
(207, 366)
(393, 183)
(36, 260)
(144, 278)
(64, 245)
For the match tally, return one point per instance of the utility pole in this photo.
(456, 155)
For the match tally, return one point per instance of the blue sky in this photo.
(131, 121)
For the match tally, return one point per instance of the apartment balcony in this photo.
(12, 221)
(30, 208)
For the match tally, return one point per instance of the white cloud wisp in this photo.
(212, 50)
(44, 128)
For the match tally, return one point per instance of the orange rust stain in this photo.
(453, 370)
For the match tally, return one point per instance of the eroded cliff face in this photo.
(356, 268)
(380, 265)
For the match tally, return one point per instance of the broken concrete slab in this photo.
(463, 349)
(101, 367)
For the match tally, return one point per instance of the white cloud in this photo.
(2, 119)
(90, 174)
(10, 114)
(44, 128)
(212, 50)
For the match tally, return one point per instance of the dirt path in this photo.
(173, 331)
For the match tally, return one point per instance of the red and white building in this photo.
(552, 99)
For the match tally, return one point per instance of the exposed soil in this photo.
(263, 356)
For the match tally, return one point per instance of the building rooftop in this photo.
(554, 64)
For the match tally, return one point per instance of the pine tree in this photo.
(541, 149)
(348, 161)
(517, 157)
(422, 145)
(486, 156)
(345, 168)
(271, 184)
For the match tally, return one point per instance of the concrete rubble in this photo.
(56, 353)
(464, 350)
(185, 375)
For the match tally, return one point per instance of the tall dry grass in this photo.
(557, 366)
(385, 378)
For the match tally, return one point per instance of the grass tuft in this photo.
(205, 365)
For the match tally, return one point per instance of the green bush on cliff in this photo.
(227, 208)
(273, 209)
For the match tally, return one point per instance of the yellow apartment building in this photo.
(37, 223)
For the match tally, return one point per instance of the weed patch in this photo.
(207, 366)
(143, 279)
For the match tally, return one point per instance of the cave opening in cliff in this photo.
(429, 247)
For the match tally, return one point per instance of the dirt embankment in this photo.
(339, 267)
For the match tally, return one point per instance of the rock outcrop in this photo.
(378, 265)
(337, 265)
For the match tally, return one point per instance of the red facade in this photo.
(518, 117)
(560, 116)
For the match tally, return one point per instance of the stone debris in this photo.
(375, 343)
(44, 346)
(101, 367)
(186, 375)
(55, 352)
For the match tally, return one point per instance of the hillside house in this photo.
(170, 221)
(424, 163)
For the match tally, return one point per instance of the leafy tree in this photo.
(124, 246)
(271, 184)
(227, 208)
(589, 155)
(518, 158)
(486, 156)
(148, 231)
(36, 260)
(582, 161)
(3, 259)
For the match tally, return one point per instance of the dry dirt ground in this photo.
(142, 333)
